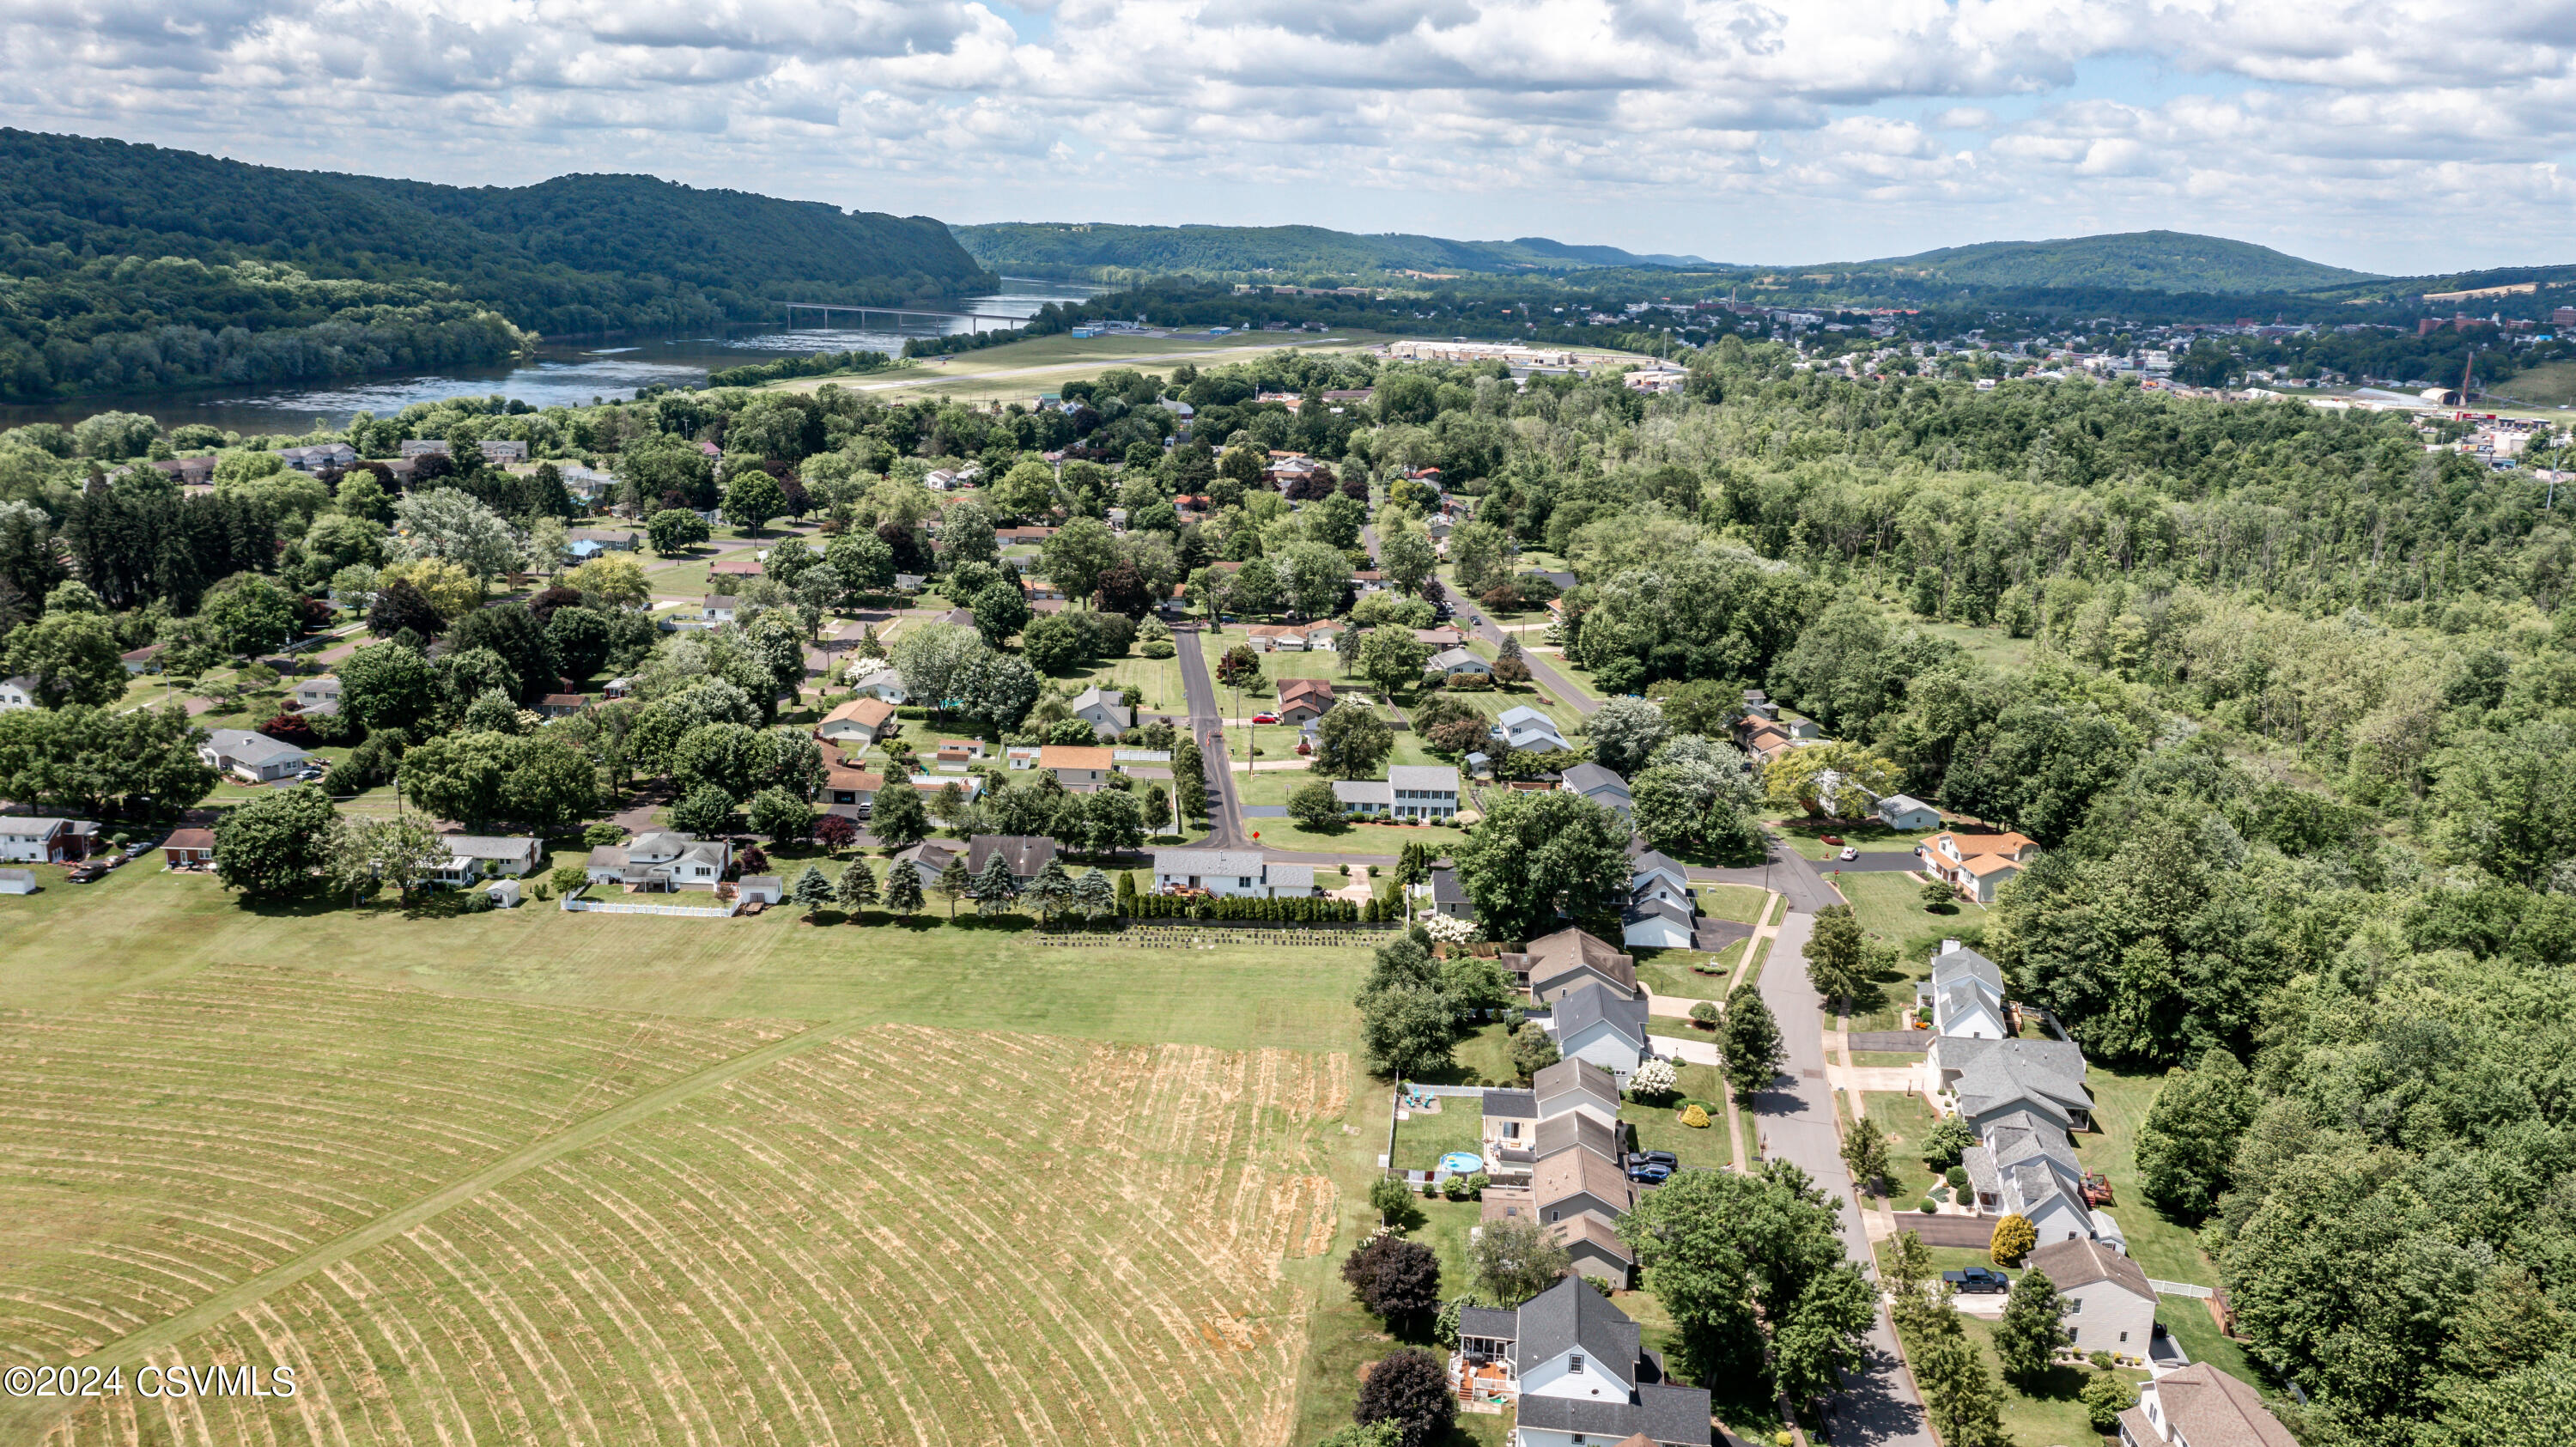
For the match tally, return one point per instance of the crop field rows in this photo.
(165, 1144)
(900, 1235)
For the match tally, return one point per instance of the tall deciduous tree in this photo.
(1351, 742)
(2032, 1329)
(275, 844)
(2192, 1132)
(1536, 855)
(71, 656)
(1516, 1258)
(1838, 955)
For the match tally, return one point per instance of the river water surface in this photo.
(566, 373)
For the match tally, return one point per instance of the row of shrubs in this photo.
(1288, 911)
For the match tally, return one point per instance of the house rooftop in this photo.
(1576, 1077)
(2081, 1262)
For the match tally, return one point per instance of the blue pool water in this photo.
(1462, 1163)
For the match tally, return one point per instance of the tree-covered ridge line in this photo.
(1209, 250)
(108, 246)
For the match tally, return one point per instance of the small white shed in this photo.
(17, 881)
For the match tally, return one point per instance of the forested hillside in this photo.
(1057, 248)
(134, 267)
(2135, 260)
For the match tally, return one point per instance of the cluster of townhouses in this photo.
(1554, 1155)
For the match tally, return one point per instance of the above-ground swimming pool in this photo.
(1464, 1163)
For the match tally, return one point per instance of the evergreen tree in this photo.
(1865, 1152)
(955, 883)
(1838, 957)
(857, 888)
(812, 890)
(994, 885)
(1051, 891)
(902, 888)
(1095, 897)
(1958, 1397)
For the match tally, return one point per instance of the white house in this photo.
(1593, 1022)
(662, 861)
(252, 757)
(45, 841)
(884, 684)
(719, 608)
(1525, 728)
(861, 720)
(318, 695)
(1456, 661)
(1105, 710)
(1976, 864)
(1409, 791)
(1907, 814)
(18, 691)
(1965, 996)
(1575, 1369)
(474, 857)
(1230, 872)
(2110, 1306)
(760, 889)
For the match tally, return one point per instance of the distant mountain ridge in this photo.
(2129, 260)
(1202, 250)
(2138, 261)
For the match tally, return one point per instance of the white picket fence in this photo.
(2180, 1288)
(574, 904)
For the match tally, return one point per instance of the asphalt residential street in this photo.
(1878, 1407)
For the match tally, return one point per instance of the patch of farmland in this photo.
(903, 1235)
(164, 1144)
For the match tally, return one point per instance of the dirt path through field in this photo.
(25, 1419)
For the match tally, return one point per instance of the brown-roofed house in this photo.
(1555, 964)
(1595, 1246)
(1301, 699)
(562, 705)
(2111, 1306)
(861, 719)
(1573, 1183)
(734, 568)
(847, 787)
(2201, 1406)
(189, 848)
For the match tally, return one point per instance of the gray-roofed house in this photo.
(1456, 661)
(1510, 1119)
(2201, 1406)
(319, 457)
(1594, 1022)
(1655, 863)
(1965, 995)
(1448, 896)
(1105, 710)
(1230, 872)
(1576, 1085)
(1028, 854)
(472, 858)
(1409, 791)
(884, 684)
(1577, 1372)
(253, 757)
(1599, 785)
(1907, 815)
(25, 840)
(1653, 921)
(929, 859)
(2110, 1304)
(1525, 728)
(318, 695)
(1988, 1079)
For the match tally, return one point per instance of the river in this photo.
(560, 373)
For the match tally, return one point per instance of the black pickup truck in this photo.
(1978, 1278)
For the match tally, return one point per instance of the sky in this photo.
(2400, 136)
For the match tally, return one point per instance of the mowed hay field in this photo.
(839, 1234)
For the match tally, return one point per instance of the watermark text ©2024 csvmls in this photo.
(78, 1381)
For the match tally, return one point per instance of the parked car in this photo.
(1666, 1159)
(1829, 838)
(88, 874)
(1849, 853)
(1650, 1175)
(1978, 1278)
(1265, 718)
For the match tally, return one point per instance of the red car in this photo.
(1832, 839)
(1265, 718)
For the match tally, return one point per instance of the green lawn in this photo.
(1678, 972)
(1659, 1128)
(1867, 835)
(1907, 1120)
(1739, 902)
(2048, 1412)
(2169, 1252)
(1890, 908)
(1423, 1137)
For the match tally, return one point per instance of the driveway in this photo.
(1878, 1406)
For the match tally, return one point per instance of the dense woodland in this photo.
(128, 267)
(2289, 701)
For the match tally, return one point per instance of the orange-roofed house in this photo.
(1977, 864)
(1081, 768)
(861, 721)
